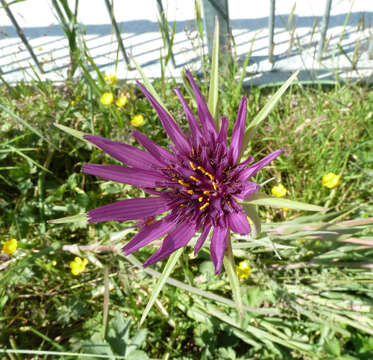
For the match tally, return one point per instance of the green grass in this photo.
(317, 292)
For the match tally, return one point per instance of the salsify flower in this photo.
(197, 182)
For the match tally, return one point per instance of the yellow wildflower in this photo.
(107, 98)
(78, 265)
(331, 180)
(54, 262)
(243, 269)
(72, 102)
(111, 78)
(121, 101)
(137, 120)
(279, 190)
(10, 246)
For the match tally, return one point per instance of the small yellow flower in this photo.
(107, 98)
(243, 269)
(72, 102)
(10, 246)
(121, 101)
(40, 48)
(331, 180)
(111, 78)
(54, 262)
(137, 120)
(279, 190)
(78, 265)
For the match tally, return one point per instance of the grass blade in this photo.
(267, 109)
(78, 134)
(172, 260)
(251, 212)
(24, 123)
(214, 80)
(70, 219)
(267, 200)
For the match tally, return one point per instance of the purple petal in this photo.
(168, 123)
(238, 223)
(125, 175)
(174, 241)
(247, 188)
(253, 169)
(222, 137)
(201, 240)
(131, 209)
(238, 132)
(127, 154)
(217, 248)
(204, 114)
(154, 149)
(148, 234)
(193, 125)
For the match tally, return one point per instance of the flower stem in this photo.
(230, 268)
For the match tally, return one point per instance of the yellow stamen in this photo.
(201, 169)
(206, 192)
(192, 165)
(214, 185)
(190, 192)
(183, 183)
(200, 199)
(204, 206)
(193, 178)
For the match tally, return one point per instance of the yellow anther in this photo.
(190, 192)
(201, 169)
(209, 175)
(214, 185)
(183, 183)
(200, 199)
(204, 206)
(193, 178)
(192, 165)
(206, 192)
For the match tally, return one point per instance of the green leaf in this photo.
(234, 281)
(251, 212)
(214, 80)
(78, 134)
(172, 260)
(267, 200)
(70, 219)
(23, 122)
(267, 109)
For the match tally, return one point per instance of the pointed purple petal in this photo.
(201, 240)
(148, 234)
(238, 223)
(217, 247)
(238, 132)
(253, 169)
(247, 188)
(204, 114)
(222, 137)
(131, 209)
(193, 125)
(154, 149)
(127, 154)
(174, 241)
(125, 175)
(172, 129)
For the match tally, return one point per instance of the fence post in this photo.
(219, 9)
(324, 28)
(271, 28)
(22, 35)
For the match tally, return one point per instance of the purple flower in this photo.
(197, 182)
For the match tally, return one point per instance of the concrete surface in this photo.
(295, 42)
